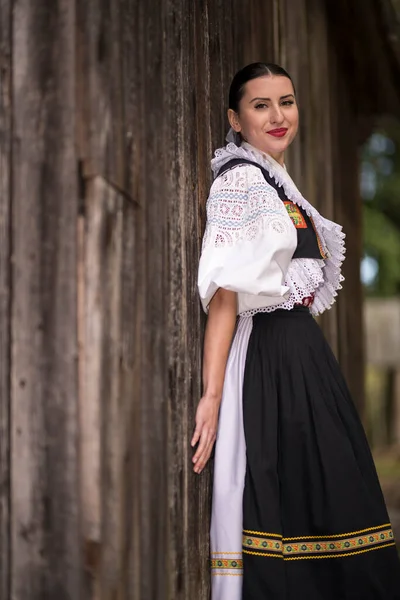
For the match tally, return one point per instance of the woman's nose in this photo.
(276, 114)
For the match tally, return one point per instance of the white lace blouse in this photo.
(250, 240)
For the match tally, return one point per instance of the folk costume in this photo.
(297, 508)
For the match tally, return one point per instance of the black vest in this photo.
(308, 243)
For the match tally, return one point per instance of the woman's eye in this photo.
(287, 102)
(261, 105)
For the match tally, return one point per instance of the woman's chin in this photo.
(275, 148)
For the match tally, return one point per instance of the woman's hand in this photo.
(206, 431)
(218, 337)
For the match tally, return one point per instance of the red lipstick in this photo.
(278, 132)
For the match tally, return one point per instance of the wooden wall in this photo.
(109, 112)
(5, 293)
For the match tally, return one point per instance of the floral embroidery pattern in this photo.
(295, 214)
(242, 207)
(317, 546)
(225, 563)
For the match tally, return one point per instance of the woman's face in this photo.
(268, 116)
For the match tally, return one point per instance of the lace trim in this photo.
(240, 207)
(330, 234)
(304, 277)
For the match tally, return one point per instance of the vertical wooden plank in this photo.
(319, 179)
(216, 38)
(5, 291)
(197, 179)
(348, 212)
(112, 439)
(133, 299)
(93, 331)
(347, 205)
(100, 409)
(186, 125)
(295, 28)
(202, 74)
(101, 133)
(89, 419)
(90, 331)
(153, 352)
(108, 134)
(279, 33)
(46, 559)
(259, 36)
(100, 437)
(175, 84)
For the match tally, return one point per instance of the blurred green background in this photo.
(380, 274)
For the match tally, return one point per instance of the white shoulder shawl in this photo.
(250, 240)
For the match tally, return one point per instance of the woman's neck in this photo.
(277, 158)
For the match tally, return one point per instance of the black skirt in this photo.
(314, 518)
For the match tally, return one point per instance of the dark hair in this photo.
(253, 71)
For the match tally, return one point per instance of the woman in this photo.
(294, 480)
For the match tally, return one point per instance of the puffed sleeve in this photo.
(248, 242)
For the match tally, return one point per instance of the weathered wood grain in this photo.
(91, 332)
(116, 110)
(46, 558)
(101, 129)
(101, 421)
(88, 420)
(197, 490)
(132, 300)
(300, 155)
(100, 431)
(5, 291)
(320, 176)
(186, 190)
(348, 212)
(176, 84)
(153, 489)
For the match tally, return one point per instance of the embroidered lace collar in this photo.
(331, 235)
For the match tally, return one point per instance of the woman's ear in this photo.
(234, 121)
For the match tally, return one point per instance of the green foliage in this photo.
(382, 241)
(380, 187)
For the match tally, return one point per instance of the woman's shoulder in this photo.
(243, 194)
(239, 177)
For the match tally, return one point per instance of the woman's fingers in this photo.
(205, 432)
(205, 453)
(202, 444)
(204, 459)
(196, 434)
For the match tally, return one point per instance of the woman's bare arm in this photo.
(218, 337)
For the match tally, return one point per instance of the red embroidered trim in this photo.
(306, 301)
(295, 214)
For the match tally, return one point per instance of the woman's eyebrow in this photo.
(269, 99)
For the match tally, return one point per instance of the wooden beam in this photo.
(103, 135)
(153, 378)
(5, 291)
(101, 418)
(46, 555)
